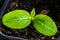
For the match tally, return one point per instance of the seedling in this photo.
(19, 19)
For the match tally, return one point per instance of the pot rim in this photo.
(11, 36)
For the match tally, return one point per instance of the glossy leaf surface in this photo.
(17, 19)
(45, 25)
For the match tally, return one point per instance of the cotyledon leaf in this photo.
(16, 19)
(45, 25)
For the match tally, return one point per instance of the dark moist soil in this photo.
(52, 6)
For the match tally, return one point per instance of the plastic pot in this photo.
(1, 3)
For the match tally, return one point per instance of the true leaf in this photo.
(45, 25)
(17, 19)
(33, 12)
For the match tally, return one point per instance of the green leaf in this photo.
(33, 12)
(17, 19)
(45, 25)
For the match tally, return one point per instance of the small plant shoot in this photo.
(33, 12)
(19, 19)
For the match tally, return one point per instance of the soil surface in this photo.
(53, 6)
